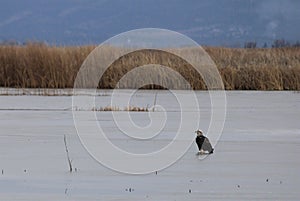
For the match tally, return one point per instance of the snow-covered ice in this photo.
(256, 157)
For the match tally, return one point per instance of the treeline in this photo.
(42, 66)
(278, 43)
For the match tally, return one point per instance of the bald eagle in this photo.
(203, 143)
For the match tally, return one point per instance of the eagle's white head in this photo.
(199, 132)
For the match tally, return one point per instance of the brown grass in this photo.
(258, 69)
(41, 66)
(117, 109)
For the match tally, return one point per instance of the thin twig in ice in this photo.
(68, 157)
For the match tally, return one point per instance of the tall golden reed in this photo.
(41, 66)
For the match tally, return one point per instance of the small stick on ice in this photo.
(154, 104)
(68, 157)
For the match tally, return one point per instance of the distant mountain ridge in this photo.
(209, 22)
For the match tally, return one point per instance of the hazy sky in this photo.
(212, 22)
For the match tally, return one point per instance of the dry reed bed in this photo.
(41, 66)
(116, 109)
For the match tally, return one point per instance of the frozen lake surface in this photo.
(256, 158)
